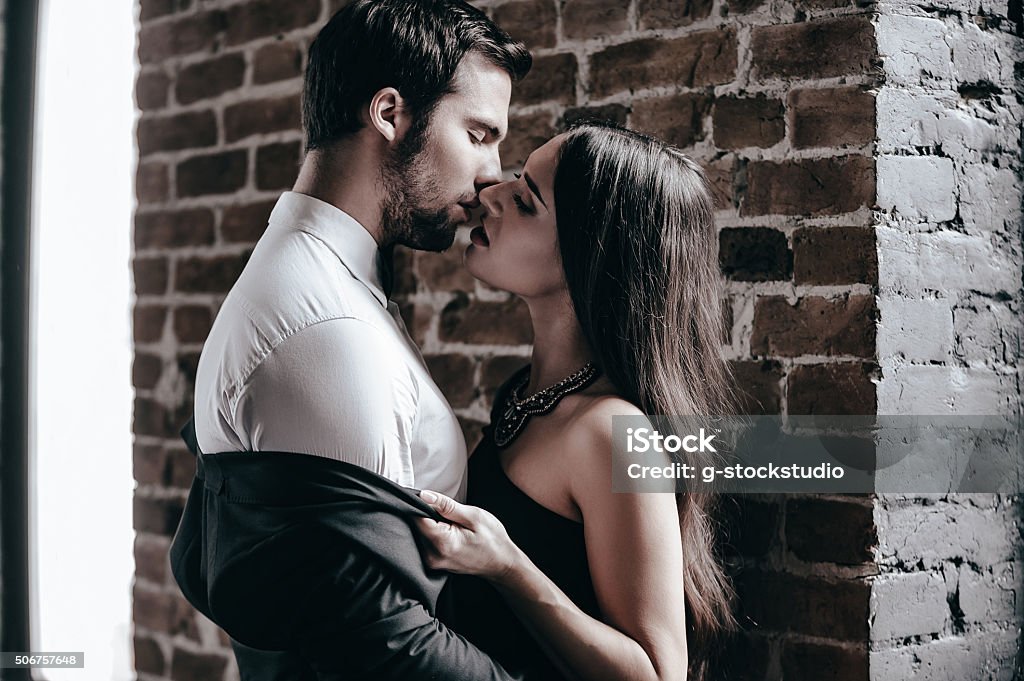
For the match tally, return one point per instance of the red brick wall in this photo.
(772, 99)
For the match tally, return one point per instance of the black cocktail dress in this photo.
(553, 542)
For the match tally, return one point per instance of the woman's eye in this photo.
(521, 205)
(476, 140)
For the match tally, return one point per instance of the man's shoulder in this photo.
(287, 285)
(339, 344)
(305, 338)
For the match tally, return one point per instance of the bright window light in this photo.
(81, 468)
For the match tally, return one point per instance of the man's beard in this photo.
(409, 216)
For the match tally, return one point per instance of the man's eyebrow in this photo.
(489, 127)
(533, 188)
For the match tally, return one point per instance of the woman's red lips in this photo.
(479, 237)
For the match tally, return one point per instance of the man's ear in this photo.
(388, 115)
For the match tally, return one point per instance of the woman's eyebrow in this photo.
(533, 188)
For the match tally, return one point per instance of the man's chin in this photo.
(436, 240)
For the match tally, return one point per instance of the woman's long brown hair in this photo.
(640, 252)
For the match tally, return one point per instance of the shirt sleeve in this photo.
(338, 389)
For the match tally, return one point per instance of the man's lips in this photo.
(472, 211)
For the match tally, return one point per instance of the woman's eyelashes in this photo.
(523, 207)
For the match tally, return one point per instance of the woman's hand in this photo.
(475, 543)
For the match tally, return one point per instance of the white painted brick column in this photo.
(949, 599)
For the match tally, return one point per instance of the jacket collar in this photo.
(342, 233)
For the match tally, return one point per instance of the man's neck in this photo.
(347, 181)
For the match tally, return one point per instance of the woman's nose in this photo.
(489, 198)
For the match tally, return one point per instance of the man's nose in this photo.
(490, 171)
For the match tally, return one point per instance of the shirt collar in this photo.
(341, 232)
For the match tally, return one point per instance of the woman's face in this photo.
(516, 248)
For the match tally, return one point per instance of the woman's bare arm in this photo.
(634, 552)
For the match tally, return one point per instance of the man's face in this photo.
(432, 179)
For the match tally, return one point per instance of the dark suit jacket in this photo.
(278, 549)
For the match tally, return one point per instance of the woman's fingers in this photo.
(438, 542)
(427, 525)
(449, 508)
(475, 542)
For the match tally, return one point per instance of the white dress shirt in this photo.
(308, 355)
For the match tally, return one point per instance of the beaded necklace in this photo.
(518, 410)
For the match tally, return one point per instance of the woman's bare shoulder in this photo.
(587, 434)
(589, 452)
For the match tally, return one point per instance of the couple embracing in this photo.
(336, 528)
